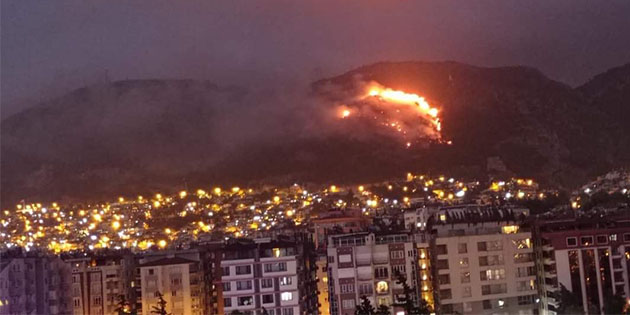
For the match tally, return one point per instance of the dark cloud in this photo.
(49, 47)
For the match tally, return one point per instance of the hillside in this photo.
(150, 135)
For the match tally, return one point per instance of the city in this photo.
(278, 157)
(447, 245)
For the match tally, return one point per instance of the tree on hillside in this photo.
(570, 303)
(160, 309)
(382, 310)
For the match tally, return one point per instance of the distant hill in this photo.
(150, 135)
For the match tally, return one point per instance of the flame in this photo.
(407, 114)
(400, 97)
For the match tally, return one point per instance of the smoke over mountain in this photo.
(153, 135)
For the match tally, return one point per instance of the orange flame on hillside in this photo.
(400, 97)
(407, 114)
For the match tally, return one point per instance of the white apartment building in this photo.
(179, 280)
(271, 276)
(34, 285)
(366, 264)
(483, 268)
(98, 282)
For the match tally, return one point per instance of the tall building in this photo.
(269, 275)
(98, 283)
(336, 222)
(368, 264)
(34, 284)
(482, 264)
(179, 276)
(588, 257)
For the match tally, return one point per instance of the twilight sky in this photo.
(51, 47)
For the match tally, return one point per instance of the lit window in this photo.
(382, 287)
(286, 296)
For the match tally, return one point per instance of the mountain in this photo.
(609, 93)
(150, 135)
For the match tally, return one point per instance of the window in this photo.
(245, 300)
(286, 280)
(275, 267)
(466, 292)
(346, 258)
(612, 237)
(226, 271)
(381, 272)
(96, 300)
(462, 248)
(487, 305)
(347, 288)
(365, 289)
(491, 260)
(571, 241)
(227, 286)
(467, 307)
(176, 281)
(397, 254)
(243, 270)
(286, 296)
(525, 272)
(227, 302)
(481, 247)
(492, 274)
(243, 285)
(331, 259)
(382, 287)
(174, 293)
(442, 250)
(522, 244)
(463, 262)
(266, 283)
(442, 264)
(398, 269)
(602, 239)
(586, 240)
(465, 277)
(626, 237)
(150, 272)
(382, 301)
(444, 279)
(156, 294)
(525, 299)
(287, 311)
(445, 294)
(494, 245)
(523, 258)
(347, 304)
(493, 288)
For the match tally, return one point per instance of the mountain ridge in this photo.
(145, 135)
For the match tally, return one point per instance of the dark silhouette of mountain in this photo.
(153, 135)
(609, 92)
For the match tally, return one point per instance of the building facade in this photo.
(589, 258)
(485, 267)
(98, 283)
(34, 284)
(367, 264)
(264, 275)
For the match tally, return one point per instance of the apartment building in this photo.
(368, 264)
(98, 282)
(179, 276)
(482, 264)
(589, 257)
(273, 276)
(34, 284)
(337, 222)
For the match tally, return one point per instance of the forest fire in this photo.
(407, 114)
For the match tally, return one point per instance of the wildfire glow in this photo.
(406, 114)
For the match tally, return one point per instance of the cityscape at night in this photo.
(315, 158)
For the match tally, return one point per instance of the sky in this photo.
(51, 47)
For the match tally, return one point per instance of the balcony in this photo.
(551, 288)
(548, 261)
